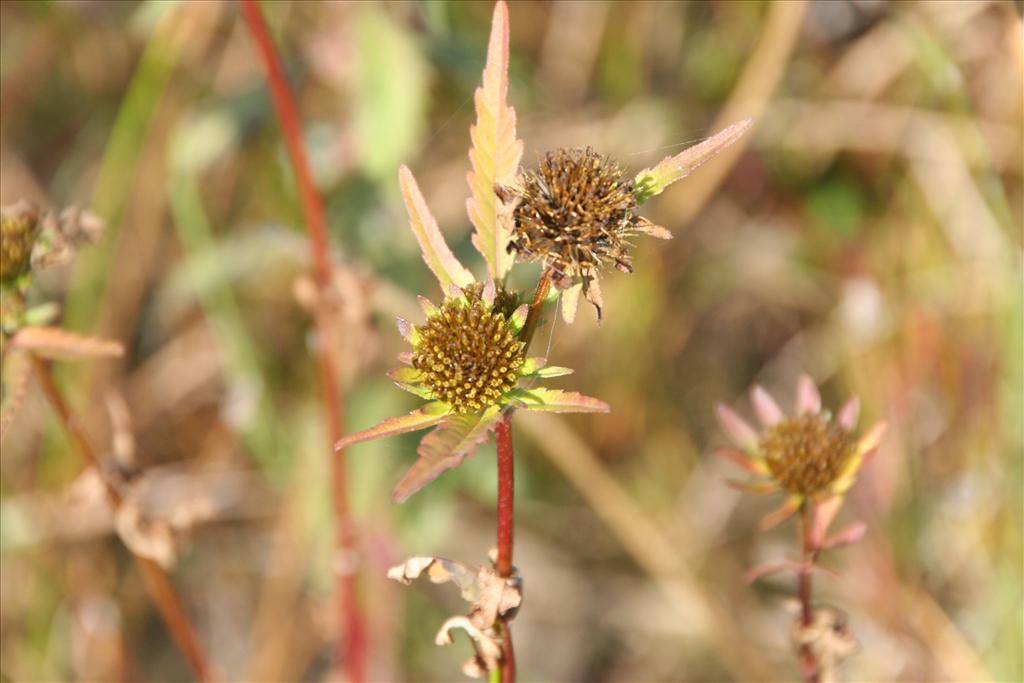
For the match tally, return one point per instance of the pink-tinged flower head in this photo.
(811, 454)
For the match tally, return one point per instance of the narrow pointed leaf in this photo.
(427, 416)
(850, 534)
(824, 513)
(653, 181)
(554, 371)
(557, 401)
(495, 152)
(444, 448)
(755, 487)
(736, 428)
(59, 344)
(438, 257)
(783, 513)
(737, 457)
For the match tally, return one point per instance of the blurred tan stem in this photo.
(160, 587)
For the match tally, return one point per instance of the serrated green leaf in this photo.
(495, 152)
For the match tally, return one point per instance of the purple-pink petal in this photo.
(808, 400)
(849, 413)
(736, 428)
(765, 407)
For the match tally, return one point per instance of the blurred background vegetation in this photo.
(868, 231)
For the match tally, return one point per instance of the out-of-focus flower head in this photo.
(811, 455)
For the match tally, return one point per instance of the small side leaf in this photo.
(444, 448)
(653, 181)
(427, 416)
(438, 257)
(59, 344)
(557, 401)
(495, 152)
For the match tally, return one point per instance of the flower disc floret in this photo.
(468, 354)
(806, 454)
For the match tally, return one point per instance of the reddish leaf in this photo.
(438, 257)
(557, 401)
(444, 448)
(428, 416)
(495, 152)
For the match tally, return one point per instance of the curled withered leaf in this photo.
(147, 538)
(829, 638)
(486, 645)
(438, 570)
(490, 597)
(55, 343)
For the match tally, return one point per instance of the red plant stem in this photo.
(160, 587)
(506, 494)
(506, 522)
(808, 662)
(352, 648)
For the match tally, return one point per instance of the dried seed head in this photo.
(574, 213)
(806, 454)
(19, 227)
(467, 353)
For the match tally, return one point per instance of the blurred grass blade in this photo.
(495, 151)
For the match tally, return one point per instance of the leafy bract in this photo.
(427, 416)
(495, 152)
(653, 181)
(558, 401)
(436, 254)
(444, 448)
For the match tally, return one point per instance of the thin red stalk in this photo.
(160, 587)
(352, 648)
(506, 485)
(506, 522)
(808, 662)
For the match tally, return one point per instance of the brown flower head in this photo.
(19, 227)
(810, 455)
(575, 213)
